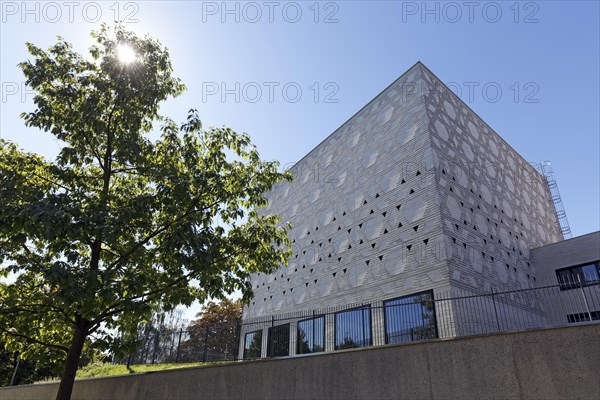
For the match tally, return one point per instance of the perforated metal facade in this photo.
(414, 192)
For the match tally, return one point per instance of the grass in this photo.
(96, 370)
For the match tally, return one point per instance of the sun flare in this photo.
(126, 54)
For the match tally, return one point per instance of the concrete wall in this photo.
(557, 363)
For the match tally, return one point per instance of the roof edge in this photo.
(414, 66)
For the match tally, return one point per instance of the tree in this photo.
(118, 224)
(255, 348)
(155, 341)
(427, 328)
(215, 333)
(347, 343)
(305, 346)
(25, 371)
(36, 367)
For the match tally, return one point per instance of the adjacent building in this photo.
(575, 265)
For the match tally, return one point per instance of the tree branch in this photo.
(108, 311)
(96, 246)
(56, 346)
(53, 182)
(154, 234)
(48, 308)
(85, 137)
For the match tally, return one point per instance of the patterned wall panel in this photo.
(494, 205)
(413, 192)
(364, 211)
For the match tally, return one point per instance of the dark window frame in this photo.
(575, 282)
(583, 317)
(385, 316)
(370, 327)
(320, 316)
(258, 331)
(270, 340)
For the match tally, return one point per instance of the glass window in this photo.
(253, 344)
(582, 275)
(353, 328)
(583, 317)
(311, 335)
(279, 341)
(410, 318)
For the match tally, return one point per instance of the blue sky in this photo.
(533, 66)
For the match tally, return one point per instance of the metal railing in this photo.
(207, 343)
(432, 314)
(428, 315)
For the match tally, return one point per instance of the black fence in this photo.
(418, 316)
(206, 343)
(425, 315)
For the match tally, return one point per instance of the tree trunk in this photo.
(68, 376)
(13, 380)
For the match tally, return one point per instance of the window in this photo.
(583, 317)
(353, 328)
(581, 275)
(253, 345)
(279, 341)
(311, 335)
(410, 318)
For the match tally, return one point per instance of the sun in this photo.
(126, 54)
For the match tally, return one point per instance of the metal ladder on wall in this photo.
(545, 169)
